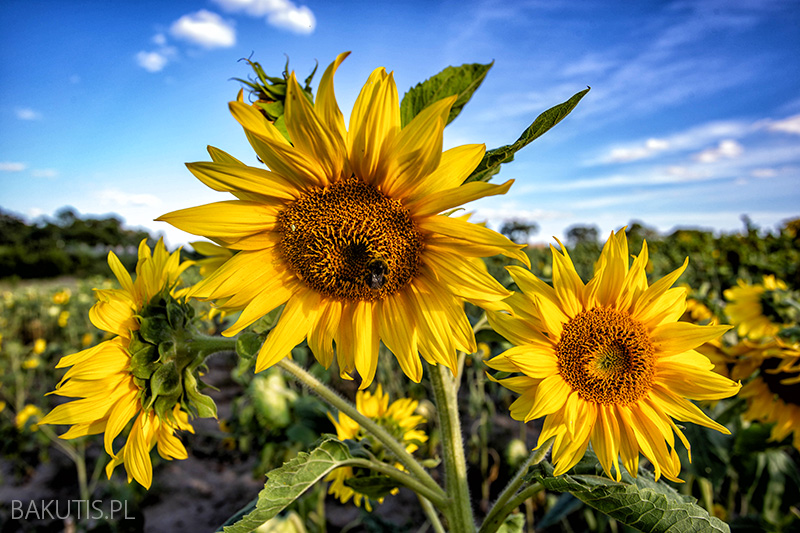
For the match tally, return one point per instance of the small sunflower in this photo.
(398, 418)
(109, 393)
(754, 309)
(607, 361)
(345, 230)
(773, 395)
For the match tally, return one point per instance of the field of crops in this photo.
(748, 479)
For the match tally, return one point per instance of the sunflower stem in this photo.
(402, 478)
(494, 517)
(205, 345)
(493, 522)
(459, 512)
(367, 424)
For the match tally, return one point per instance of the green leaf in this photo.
(490, 164)
(638, 502)
(287, 483)
(248, 344)
(462, 81)
(373, 487)
(514, 523)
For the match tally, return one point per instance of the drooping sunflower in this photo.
(773, 394)
(398, 418)
(109, 393)
(607, 362)
(345, 230)
(753, 308)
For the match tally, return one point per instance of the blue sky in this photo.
(693, 118)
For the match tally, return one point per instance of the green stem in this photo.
(430, 512)
(493, 523)
(494, 516)
(206, 345)
(367, 424)
(400, 477)
(459, 512)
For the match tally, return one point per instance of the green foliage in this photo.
(285, 484)
(71, 245)
(638, 502)
(490, 164)
(462, 81)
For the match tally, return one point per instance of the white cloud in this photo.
(44, 173)
(204, 28)
(691, 139)
(26, 113)
(279, 13)
(788, 125)
(152, 61)
(726, 149)
(160, 39)
(119, 198)
(12, 166)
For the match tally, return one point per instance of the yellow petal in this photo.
(292, 328)
(320, 339)
(365, 333)
(460, 230)
(449, 198)
(228, 177)
(374, 121)
(399, 332)
(231, 218)
(455, 166)
(463, 278)
(551, 394)
(327, 109)
(678, 337)
(309, 134)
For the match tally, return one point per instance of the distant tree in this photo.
(519, 230)
(580, 234)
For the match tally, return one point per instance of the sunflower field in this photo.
(348, 351)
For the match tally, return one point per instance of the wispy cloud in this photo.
(26, 113)
(694, 138)
(205, 29)
(118, 198)
(12, 166)
(44, 173)
(726, 149)
(279, 13)
(787, 125)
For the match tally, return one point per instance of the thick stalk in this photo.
(395, 447)
(510, 490)
(459, 512)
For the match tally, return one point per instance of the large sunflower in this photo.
(607, 361)
(102, 377)
(344, 228)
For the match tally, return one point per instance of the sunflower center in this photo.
(351, 242)
(606, 356)
(790, 394)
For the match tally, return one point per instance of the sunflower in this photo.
(754, 309)
(109, 393)
(607, 361)
(398, 418)
(773, 395)
(344, 229)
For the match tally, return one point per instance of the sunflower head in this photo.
(760, 310)
(400, 420)
(147, 372)
(345, 230)
(607, 361)
(773, 390)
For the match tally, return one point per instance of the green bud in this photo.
(166, 380)
(154, 329)
(144, 361)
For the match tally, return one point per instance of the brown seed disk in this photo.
(351, 242)
(606, 356)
